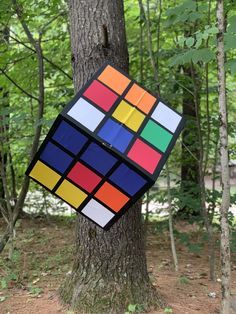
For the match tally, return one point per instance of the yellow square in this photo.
(71, 194)
(129, 115)
(44, 175)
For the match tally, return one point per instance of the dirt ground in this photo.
(44, 255)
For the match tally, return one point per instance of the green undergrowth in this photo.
(43, 250)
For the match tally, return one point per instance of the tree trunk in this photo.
(224, 159)
(19, 202)
(190, 151)
(109, 270)
(171, 229)
(4, 126)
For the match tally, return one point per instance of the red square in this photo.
(84, 177)
(144, 155)
(100, 95)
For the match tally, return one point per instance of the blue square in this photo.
(69, 137)
(55, 157)
(127, 179)
(116, 135)
(98, 158)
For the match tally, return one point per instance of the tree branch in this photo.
(149, 37)
(4, 239)
(43, 29)
(15, 61)
(44, 57)
(4, 180)
(4, 212)
(207, 99)
(18, 86)
(37, 46)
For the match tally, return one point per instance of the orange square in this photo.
(112, 197)
(114, 79)
(140, 98)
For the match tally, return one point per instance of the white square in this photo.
(86, 114)
(97, 213)
(166, 117)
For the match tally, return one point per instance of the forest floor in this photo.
(30, 282)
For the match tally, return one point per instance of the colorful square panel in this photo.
(71, 194)
(100, 95)
(44, 175)
(69, 137)
(84, 177)
(98, 158)
(97, 213)
(156, 135)
(55, 157)
(140, 98)
(127, 179)
(107, 147)
(116, 135)
(166, 117)
(86, 114)
(114, 79)
(144, 155)
(111, 196)
(129, 115)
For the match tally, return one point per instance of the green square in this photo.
(156, 135)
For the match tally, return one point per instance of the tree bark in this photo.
(4, 126)
(171, 229)
(224, 159)
(202, 189)
(4, 104)
(109, 270)
(190, 162)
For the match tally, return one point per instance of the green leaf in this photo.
(182, 13)
(231, 66)
(202, 7)
(205, 34)
(187, 56)
(198, 43)
(183, 17)
(189, 42)
(181, 41)
(176, 60)
(202, 55)
(2, 299)
(3, 284)
(229, 41)
(183, 280)
(232, 24)
(199, 36)
(195, 248)
(194, 16)
(189, 5)
(132, 307)
(213, 30)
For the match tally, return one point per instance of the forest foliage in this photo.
(174, 34)
(172, 52)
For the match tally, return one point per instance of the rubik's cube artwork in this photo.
(107, 147)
